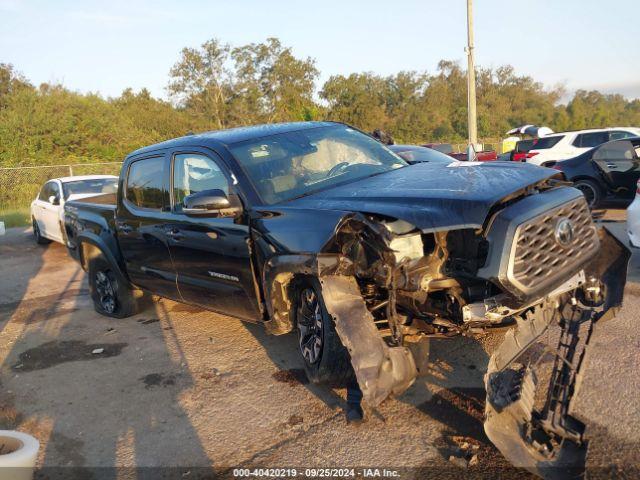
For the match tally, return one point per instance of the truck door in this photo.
(620, 166)
(211, 255)
(140, 220)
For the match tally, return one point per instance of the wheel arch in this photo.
(91, 246)
(281, 276)
(598, 184)
(590, 178)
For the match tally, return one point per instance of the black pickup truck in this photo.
(318, 228)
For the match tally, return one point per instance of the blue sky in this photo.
(106, 46)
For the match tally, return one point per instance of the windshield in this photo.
(95, 186)
(414, 154)
(289, 165)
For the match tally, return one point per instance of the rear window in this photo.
(524, 146)
(94, 186)
(145, 183)
(590, 140)
(546, 142)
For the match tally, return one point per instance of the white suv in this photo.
(564, 145)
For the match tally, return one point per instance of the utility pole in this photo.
(471, 86)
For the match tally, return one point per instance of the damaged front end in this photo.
(531, 382)
(536, 268)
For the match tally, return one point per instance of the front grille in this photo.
(538, 257)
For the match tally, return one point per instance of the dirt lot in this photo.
(202, 393)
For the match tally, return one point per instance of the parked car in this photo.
(318, 228)
(565, 145)
(417, 154)
(633, 219)
(47, 210)
(519, 154)
(524, 138)
(447, 149)
(606, 174)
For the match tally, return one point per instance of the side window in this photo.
(55, 190)
(590, 140)
(618, 134)
(45, 192)
(615, 152)
(193, 173)
(144, 183)
(50, 189)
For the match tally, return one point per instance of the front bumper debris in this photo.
(530, 385)
(381, 370)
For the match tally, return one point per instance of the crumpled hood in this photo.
(431, 196)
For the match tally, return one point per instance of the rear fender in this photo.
(98, 247)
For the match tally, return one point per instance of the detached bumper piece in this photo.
(531, 383)
(380, 369)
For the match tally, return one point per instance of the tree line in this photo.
(218, 86)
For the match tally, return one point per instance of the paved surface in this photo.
(178, 386)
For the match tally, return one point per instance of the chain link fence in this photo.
(488, 145)
(19, 186)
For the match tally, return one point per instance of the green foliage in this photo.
(255, 83)
(418, 107)
(16, 218)
(219, 86)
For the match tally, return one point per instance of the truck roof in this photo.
(233, 135)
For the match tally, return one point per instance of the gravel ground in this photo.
(202, 393)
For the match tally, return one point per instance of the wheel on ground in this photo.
(40, 240)
(326, 360)
(111, 297)
(591, 192)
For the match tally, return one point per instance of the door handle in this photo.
(612, 165)
(175, 234)
(125, 228)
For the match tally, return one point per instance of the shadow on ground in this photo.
(46, 343)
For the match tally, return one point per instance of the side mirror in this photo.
(53, 200)
(213, 203)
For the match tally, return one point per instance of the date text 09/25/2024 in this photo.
(316, 472)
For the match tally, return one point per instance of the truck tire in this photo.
(326, 360)
(40, 240)
(111, 297)
(591, 191)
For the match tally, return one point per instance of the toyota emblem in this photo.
(564, 232)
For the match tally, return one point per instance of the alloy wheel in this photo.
(106, 291)
(310, 326)
(589, 193)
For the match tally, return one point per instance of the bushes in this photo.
(217, 86)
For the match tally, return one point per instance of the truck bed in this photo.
(93, 216)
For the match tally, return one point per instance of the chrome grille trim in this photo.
(537, 258)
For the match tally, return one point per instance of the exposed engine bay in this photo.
(538, 261)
